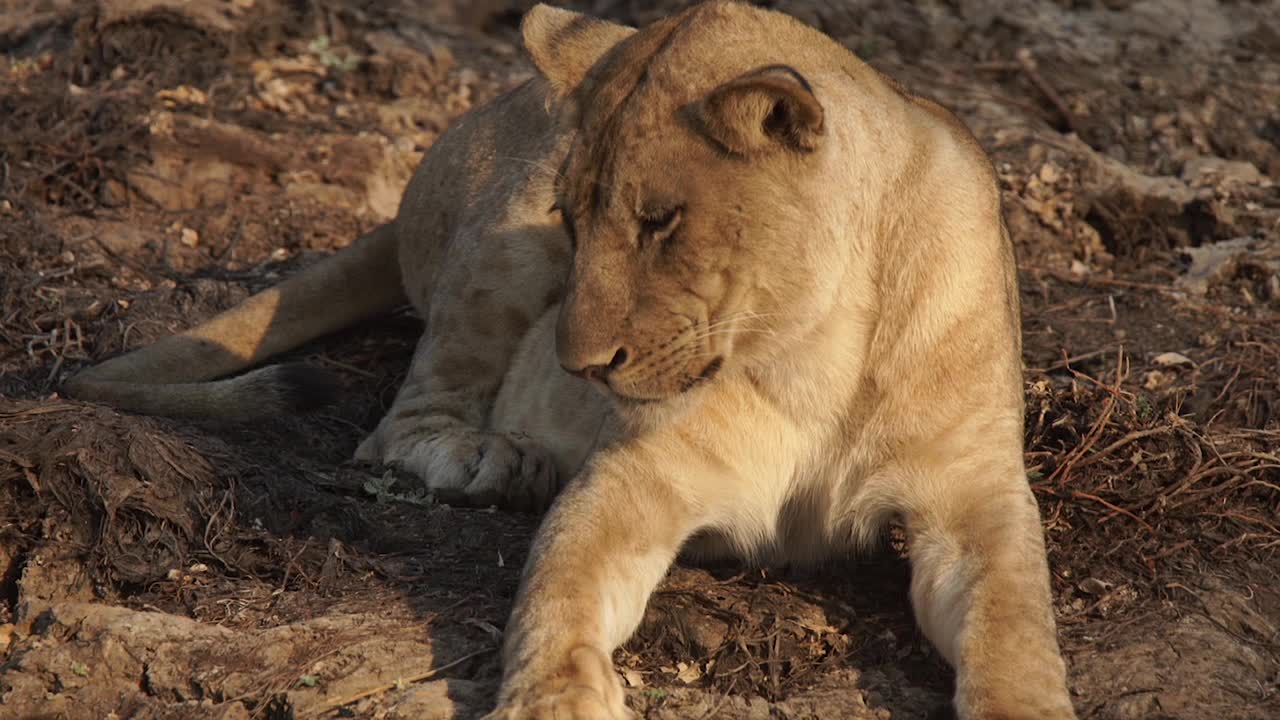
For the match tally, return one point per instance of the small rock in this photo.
(1168, 359)
(1220, 261)
(1094, 586)
(1202, 171)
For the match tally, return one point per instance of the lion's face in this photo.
(657, 283)
(692, 214)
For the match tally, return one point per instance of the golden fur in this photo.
(789, 278)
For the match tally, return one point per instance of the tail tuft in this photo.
(297, 386)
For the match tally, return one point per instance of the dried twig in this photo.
(336, 703)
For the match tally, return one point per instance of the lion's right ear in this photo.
(565, 44)
(769, 107)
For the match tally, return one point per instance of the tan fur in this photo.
(791, 315)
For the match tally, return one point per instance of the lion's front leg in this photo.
(980, 589)
(604, 546)
(492, 285)
(435, 430)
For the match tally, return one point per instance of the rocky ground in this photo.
(162, 159)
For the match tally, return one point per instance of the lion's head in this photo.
(695, 193)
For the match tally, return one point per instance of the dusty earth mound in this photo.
(161, 159)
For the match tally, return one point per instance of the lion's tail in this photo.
(176, 376)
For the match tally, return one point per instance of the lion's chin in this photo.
(636, 397)
(627, 398)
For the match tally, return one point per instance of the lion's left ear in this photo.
(565, 44)
(767, 108)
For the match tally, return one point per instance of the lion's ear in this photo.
(767, 108)
(565, 44)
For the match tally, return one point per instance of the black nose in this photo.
(599, 371)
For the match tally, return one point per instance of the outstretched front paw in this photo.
(585, 689)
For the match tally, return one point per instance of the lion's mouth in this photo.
(709, 372)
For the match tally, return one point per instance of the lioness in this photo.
(743, 292)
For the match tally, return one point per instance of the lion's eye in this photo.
(658, 224)
(568, 226)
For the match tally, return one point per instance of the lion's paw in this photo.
(586, 689)
(471, 467)
(572, 703)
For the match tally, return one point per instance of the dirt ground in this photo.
(162, 159)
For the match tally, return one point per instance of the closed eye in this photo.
(659, 224)
(567, 222)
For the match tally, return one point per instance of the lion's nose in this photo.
(600, 368)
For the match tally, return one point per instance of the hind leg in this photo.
(487, 293)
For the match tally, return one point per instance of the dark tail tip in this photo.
(305, 387)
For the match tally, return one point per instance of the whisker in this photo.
(684, 349)
(729, 331)
(746, 315)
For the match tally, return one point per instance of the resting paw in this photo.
(470, 467)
